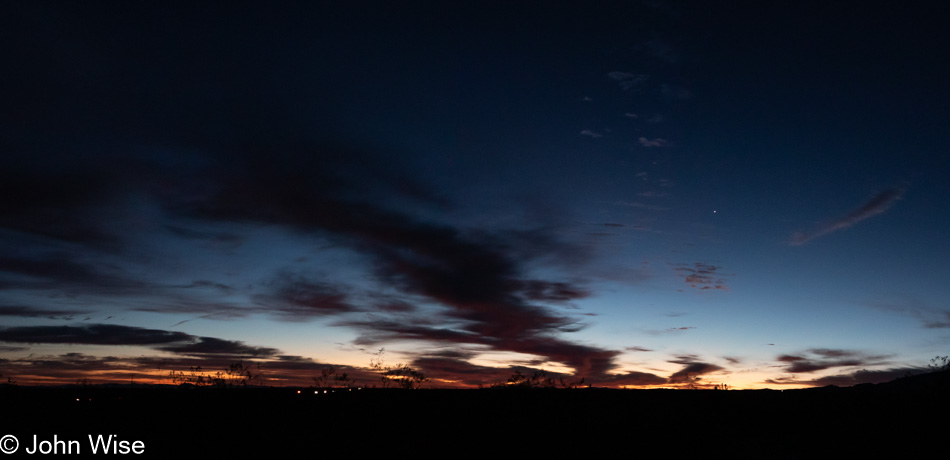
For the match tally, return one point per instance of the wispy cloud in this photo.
(661, 50)
(633, 379)
(67, 367)
(692, 369)
(653, 194)
(675, 92)
(930, 317)
(703, 276)
(637, 204)
(210, 346)
(876, 205)
(850, 378)
(295, 298)
(628, 80)
(93, 334)
(34, 312)
(637, 349)
(117, 335)
(655, 142)
(818, 359)
(592, 134)
(671, 330)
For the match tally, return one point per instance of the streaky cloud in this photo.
(656, 142)
(34, 312)
(876, 205)
(210, 346)
(93, 334)
(819, 359)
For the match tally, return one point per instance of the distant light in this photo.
(298, 392)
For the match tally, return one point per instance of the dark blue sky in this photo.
(749, 193)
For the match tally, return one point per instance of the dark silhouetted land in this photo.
(282, 423)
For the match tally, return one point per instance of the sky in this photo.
(641, 194)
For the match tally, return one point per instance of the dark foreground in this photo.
(280, 423)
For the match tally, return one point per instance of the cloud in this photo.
(653, 194)
(68, 367)
(346, 197)
(93, 334)
(851, 378)
(548, 291)
(476, 276)
(655, 142)
(637, 204)
(692, 369)
(866, 376)
(116, 335)
(661, 50)
(82, 191)
(33, 312)
(210, 346)
(637, 349)
(59, 204)
(632, 378)
(587, 361)
(395, 306)
(671, 330)
(592, 134)
(675, 92)
(205, 310)
(876, 205)
(459, 371)
(930, 317)
(703, 276)
(64, 271)
(628, 80)
(228, 238)
(619, 76)
(294, 298)
(819, 359)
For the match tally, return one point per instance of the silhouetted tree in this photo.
(405, 377)
(195, 376)
(689, 382)
(539, 379)
(237, 374)
(572, 385)
(939, 363)
(325, 375)
(400, 375)
(343, 380)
